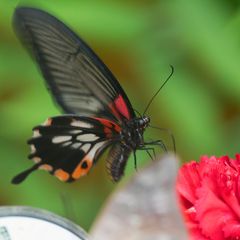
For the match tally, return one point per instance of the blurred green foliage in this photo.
(138, 40)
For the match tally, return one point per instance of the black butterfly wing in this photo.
(77, 78)
(68, 146)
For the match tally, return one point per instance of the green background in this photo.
(137, 40)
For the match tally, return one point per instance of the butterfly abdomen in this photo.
(117, 160)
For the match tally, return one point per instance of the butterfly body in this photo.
(99, 115)
(132, 133)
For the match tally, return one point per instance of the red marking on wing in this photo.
(108, 132)
(114, 110)
(117, 128)
(105, 122)
(122, 107)
(109, 126)
(119, 106)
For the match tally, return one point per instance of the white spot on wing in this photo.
(76, 145)
(37, 159)
(86, 147)
(75, 131)
(60, 139)
(81, 124)
(93, 151)
(66, 144)
(33, 149)
(36, 133)
(89, 137)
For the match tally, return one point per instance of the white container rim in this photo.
(44, 215)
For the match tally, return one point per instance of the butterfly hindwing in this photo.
(79, 81)
(67, 146)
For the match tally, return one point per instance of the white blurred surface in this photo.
(146, 208)
(26, 223)
(23, 228)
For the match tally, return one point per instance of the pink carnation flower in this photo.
(209, 196)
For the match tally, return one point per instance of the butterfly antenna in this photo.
(140, 115)
(151, 100)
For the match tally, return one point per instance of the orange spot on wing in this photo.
(37, 159)
(48, 122)
(81, 171)
(46, 167)
(61, 175)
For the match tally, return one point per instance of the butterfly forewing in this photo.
(77, 78)
(68, 146)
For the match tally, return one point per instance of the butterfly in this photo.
(98, 114)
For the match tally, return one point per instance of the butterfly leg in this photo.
(149, 154)
(169, 132)
(154, 153)
(148, 149)
(135, 160)
(159, 143)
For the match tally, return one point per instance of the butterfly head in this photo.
(143, 122)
